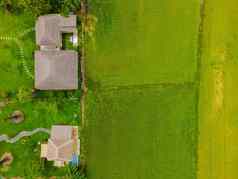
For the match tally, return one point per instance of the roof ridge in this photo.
(66, 143)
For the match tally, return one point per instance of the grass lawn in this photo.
(41, 109)
(13, 72)
(38, 113)
(27, 163)
(13, 25)
(143, 42)
(142, 133)
(10, 80)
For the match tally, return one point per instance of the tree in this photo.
(36, 7)
(10, 5)
(70, 6)
(39, 7)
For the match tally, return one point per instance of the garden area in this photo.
(38, 109)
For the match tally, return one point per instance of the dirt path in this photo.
(83, 80)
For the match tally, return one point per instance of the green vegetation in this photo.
(13, 75)
(67, 43)
(143, 42)
(218, 106)
(145, 95)
(39, 7)
(141, 108)
(26, 162)
(142, 133)
(41, 109)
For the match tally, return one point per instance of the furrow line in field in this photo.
(143, 86)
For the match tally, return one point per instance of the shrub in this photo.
(39, 7)
(77, 172)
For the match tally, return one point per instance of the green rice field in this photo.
(143, 42)
(141, 108)
(218, 107)
(142, 133)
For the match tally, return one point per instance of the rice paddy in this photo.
(141, 110)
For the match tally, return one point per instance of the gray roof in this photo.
(56, 70)
(61, 132)
(50, 27)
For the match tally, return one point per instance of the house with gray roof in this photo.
(55, 69)
(49, 29)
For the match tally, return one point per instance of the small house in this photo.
(62, 146)
(55, 68)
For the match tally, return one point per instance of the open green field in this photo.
(142, 133)
(41, 109)
(143, 42)
(141, 65)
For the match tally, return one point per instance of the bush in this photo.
(39, 7)
(9, 5)
(70, 6)
(35, 7)
(77, 172)
(17, 6)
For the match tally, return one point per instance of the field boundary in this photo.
(198, 76)
(83, 80)
(143, 86)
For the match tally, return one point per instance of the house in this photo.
(49, 29)
(55, 69)
(63, 145)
